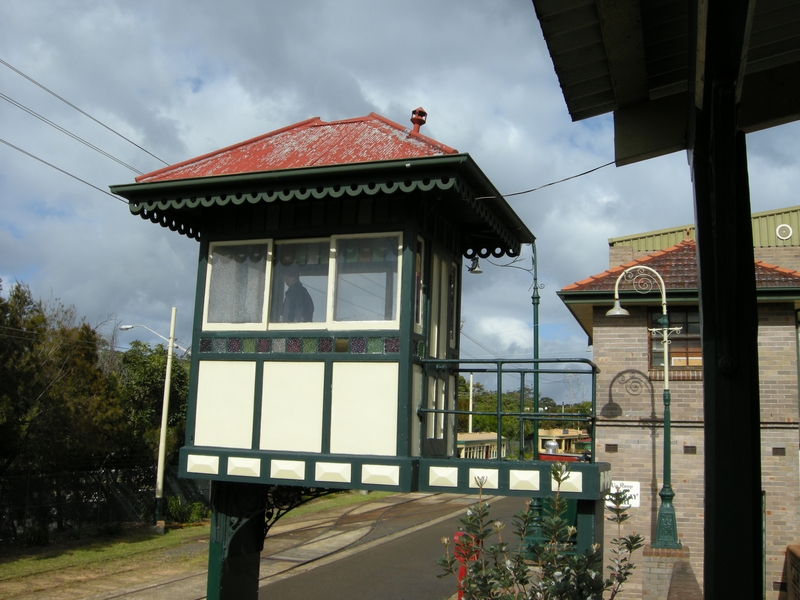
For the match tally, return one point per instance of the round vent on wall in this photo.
(784, 231)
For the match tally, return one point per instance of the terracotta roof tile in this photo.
(309, 143)
(678, 267)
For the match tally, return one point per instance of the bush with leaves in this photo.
(191, 512)
(544, 565)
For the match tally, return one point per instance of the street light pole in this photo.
(643, 279)
(162, 440)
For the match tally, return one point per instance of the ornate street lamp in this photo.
(643, 280)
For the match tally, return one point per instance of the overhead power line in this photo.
(549, 184)
(84, 113)
(18, 149)
(67, 132)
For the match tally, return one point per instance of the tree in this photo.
(142, 373)
(58, 410)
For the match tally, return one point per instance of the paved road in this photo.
(383, 550)
(395, 562)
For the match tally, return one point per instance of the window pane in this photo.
(300, 282)
(366, 279)
(685, 348)
(236, 286)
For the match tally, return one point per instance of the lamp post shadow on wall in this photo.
(643, 280)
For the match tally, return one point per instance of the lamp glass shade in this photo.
(617, 311)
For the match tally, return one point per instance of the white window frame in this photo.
(313, 324)
(378, 324)
(329, 324)
(254, 326)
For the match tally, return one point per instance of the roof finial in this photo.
(418, 118)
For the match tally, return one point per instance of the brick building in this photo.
(629, 401)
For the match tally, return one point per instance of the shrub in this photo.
(546, 568)
(193, 512)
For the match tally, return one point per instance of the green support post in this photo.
(238, 527)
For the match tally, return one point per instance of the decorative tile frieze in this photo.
(304, 345)
(358, 345)
(375, 346)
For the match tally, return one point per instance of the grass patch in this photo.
(131, 549)
(126, 547)
(336, 500)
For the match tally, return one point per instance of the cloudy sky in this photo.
(184, 78)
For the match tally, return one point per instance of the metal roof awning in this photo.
(643, 61)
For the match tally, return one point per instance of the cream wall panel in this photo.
(364, 408)
(291, 411)
(225, 398)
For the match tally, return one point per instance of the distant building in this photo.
(561, 443)
(480, 445)
(630, 410)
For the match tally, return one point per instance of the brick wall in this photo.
(630, 433)
(787, 257)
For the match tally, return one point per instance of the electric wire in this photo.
(51, 92)
(67, 132)
(41, 160)
(548, 184)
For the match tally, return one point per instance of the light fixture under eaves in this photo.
(475, 267)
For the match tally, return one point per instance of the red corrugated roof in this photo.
(309, 143)
(678, 267)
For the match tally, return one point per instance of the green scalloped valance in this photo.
(469, 200)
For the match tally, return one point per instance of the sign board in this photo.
(633, 489)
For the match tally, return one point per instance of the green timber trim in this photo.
(407, 468)
(179, 204)
(590, 481)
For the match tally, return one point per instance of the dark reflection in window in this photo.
(300, 282)
(366, 279)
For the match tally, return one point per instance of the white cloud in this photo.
(182, 81)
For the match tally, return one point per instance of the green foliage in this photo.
(57, 408)
(545, 568)
(193, 512)
(141, 372)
